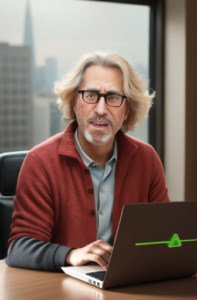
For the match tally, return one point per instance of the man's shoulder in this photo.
(49, 146)
(129, 143)
(139, 143)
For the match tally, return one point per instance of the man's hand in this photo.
(98, 252)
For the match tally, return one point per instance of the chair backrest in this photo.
(10, 164)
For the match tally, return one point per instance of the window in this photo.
(71, 28)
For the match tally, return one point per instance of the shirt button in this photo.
(102, 190)
(87, 171)
(92, 212)
(101, 212)
(90, 191)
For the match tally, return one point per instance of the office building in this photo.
(39, 78)
(47, 116)
(15, 98)
(50, 72)
(46, 75)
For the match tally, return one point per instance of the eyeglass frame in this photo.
(101, 95)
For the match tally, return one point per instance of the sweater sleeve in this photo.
(34, 203)
(30, 243)
(26, 252)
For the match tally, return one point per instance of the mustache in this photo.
(97, 118)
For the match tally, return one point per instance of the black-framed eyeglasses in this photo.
(111, 99)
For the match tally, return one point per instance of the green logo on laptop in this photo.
(173, 242)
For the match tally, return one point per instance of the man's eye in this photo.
(90, 95)
(112, 97)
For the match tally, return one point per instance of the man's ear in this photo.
(127, 111)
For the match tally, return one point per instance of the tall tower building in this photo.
(29, 39)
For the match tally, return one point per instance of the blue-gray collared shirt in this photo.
(104, 185)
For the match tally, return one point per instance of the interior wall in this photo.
(174, 133)
(181, 99)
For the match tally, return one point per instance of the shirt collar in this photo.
(86, 159)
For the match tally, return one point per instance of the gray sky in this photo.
(65, 29)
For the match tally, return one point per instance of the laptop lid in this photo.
(155, 241)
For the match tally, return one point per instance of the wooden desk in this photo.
(21, 284)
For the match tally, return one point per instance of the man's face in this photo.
(100, 122)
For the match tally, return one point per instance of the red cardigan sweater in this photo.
(55, 198)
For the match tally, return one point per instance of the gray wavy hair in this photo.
(139, 101)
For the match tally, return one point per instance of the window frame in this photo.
(156, 70)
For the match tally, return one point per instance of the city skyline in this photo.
(61, 31)
(28, 110)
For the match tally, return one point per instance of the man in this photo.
(72, 187)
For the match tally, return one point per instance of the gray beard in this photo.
(103, 141)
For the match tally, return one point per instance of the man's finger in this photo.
(103, 245)
(98, 259)
(101, 252)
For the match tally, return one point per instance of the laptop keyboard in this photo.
(98, 275)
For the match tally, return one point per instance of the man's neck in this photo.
(99, 154)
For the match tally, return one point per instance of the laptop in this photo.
(154, 241)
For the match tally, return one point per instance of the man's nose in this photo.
(101, 106)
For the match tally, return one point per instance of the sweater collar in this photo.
(126, 144)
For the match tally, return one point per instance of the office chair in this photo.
(10, 164)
